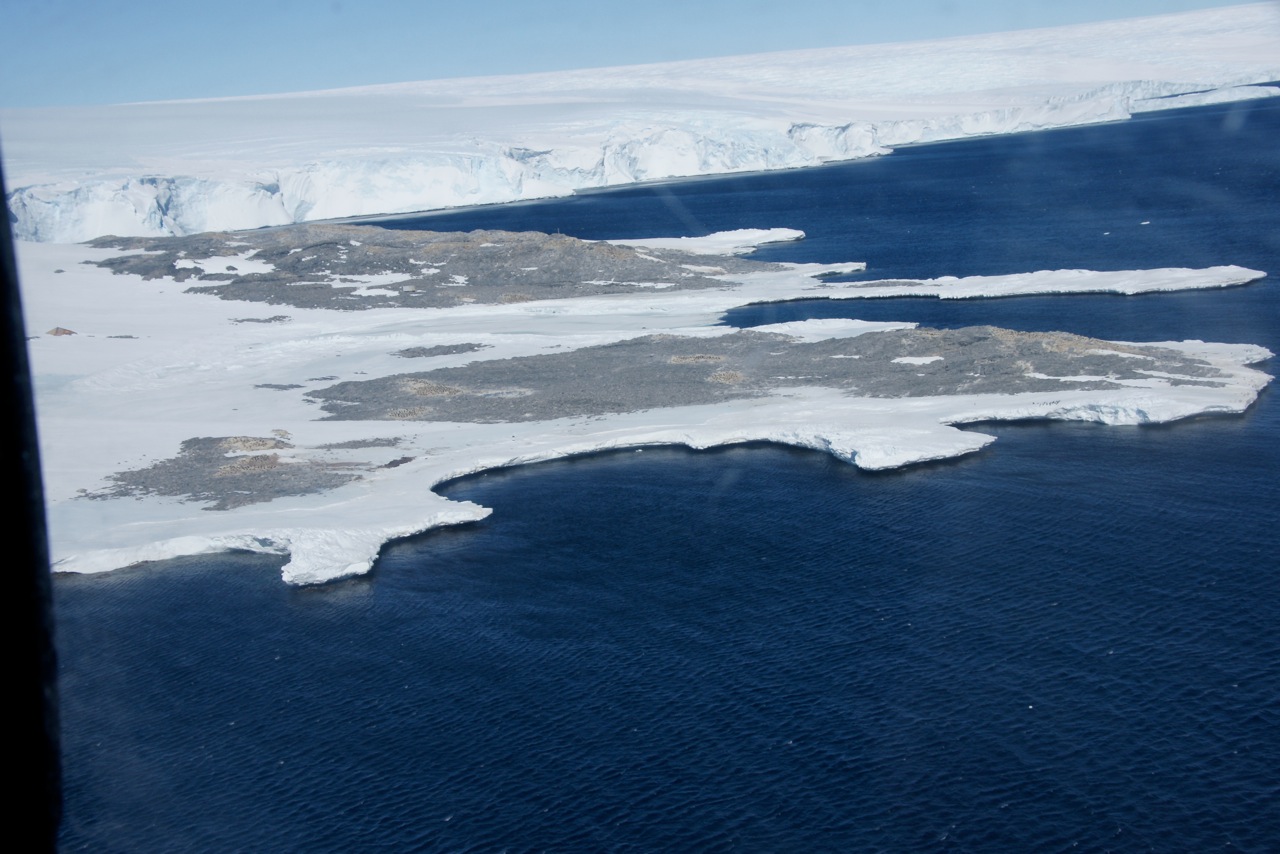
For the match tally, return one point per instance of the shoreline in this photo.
(322, 429)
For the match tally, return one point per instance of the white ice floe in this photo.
(742, 241)
(1048, 282)
(191, 166)
(151, 366)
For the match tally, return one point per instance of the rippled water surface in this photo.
(1069, 638)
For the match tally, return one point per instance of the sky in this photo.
(68, 52)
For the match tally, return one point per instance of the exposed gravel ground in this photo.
(665, 370)
(229, 472)
(327, 266)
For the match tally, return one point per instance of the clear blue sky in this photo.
(58, 52)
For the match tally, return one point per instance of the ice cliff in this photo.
(186, 167)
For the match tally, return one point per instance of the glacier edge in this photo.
(355, 182)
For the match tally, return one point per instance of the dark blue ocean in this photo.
(1068, 640)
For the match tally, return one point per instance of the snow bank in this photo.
(185, 167)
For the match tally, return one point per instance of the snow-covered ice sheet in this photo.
(186, 167)
(151, 367)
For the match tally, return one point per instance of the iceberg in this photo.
(177, 168)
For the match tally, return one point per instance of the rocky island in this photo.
(300, 389)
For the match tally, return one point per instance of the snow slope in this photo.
(185, 167)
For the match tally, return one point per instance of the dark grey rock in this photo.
(319, 266)
(357, 444)
(438, 350)
(665, 370)
(222, 471)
